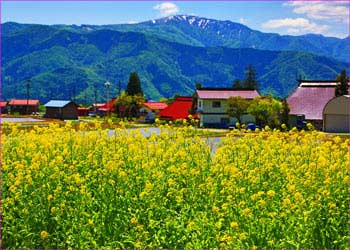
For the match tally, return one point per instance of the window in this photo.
(216, 104)
(200, 104)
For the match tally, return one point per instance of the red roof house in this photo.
(3, 106)
(23, 106)
(179, 109)
(108, 106)
(155, 106)
(83, 111)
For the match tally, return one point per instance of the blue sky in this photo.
(329, 18)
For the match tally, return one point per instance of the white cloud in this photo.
(293, 31)
(166, 9)
(296, 26)
(322, 10)
(242, 21)
(132, 22)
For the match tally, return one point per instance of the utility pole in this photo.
(28, 87)
(95, 92)
(107, 84)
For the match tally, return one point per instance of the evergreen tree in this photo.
(193, 108)
(237, 84)
(134, 85)
(343, 87)
(250, 81)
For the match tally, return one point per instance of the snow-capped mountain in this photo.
(201, 31)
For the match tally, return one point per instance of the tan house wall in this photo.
(336, 115)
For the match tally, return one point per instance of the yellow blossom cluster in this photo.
(101, 188)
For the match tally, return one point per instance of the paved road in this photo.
(7, 119)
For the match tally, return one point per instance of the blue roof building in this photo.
(61, 109)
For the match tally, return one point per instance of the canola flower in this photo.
(67, 188)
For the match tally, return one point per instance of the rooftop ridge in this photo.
(231, 89)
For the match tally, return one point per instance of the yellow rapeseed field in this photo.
(90, 188)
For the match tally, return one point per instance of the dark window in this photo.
(216, 104)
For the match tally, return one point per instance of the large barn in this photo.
(309, 99)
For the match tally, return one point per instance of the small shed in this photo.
(336, 115)
(64, 110)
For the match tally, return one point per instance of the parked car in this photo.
(252, 126)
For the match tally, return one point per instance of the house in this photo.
(83, 111)
(3, 107)
(309, 99)
(336, 115)
(179, 109)
(107, 107)
(23, 106)
(61, 109)
(150, 109)
(213, 105)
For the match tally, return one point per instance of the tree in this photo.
(250, 81)
(343, 87)
(194, 107)
(265, 110)
(237, 84)
(284, 118)
(237, 107)
(128, 105)
(134, 85)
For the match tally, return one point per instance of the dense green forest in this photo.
(71, 62)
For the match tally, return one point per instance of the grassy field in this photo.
(84, 187)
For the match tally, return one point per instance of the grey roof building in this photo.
(61, 109)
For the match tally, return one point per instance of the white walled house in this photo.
(212, 106)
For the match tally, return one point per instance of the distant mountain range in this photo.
(170, 55)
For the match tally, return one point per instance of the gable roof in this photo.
(178, 109)
(155, 105)
(311, 97)
(23, 102)
(310, 101)
(57, 103)
(3, 104)
(226, 93)
(108, 106)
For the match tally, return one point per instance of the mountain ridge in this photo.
(68, 61)
(212, 33)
